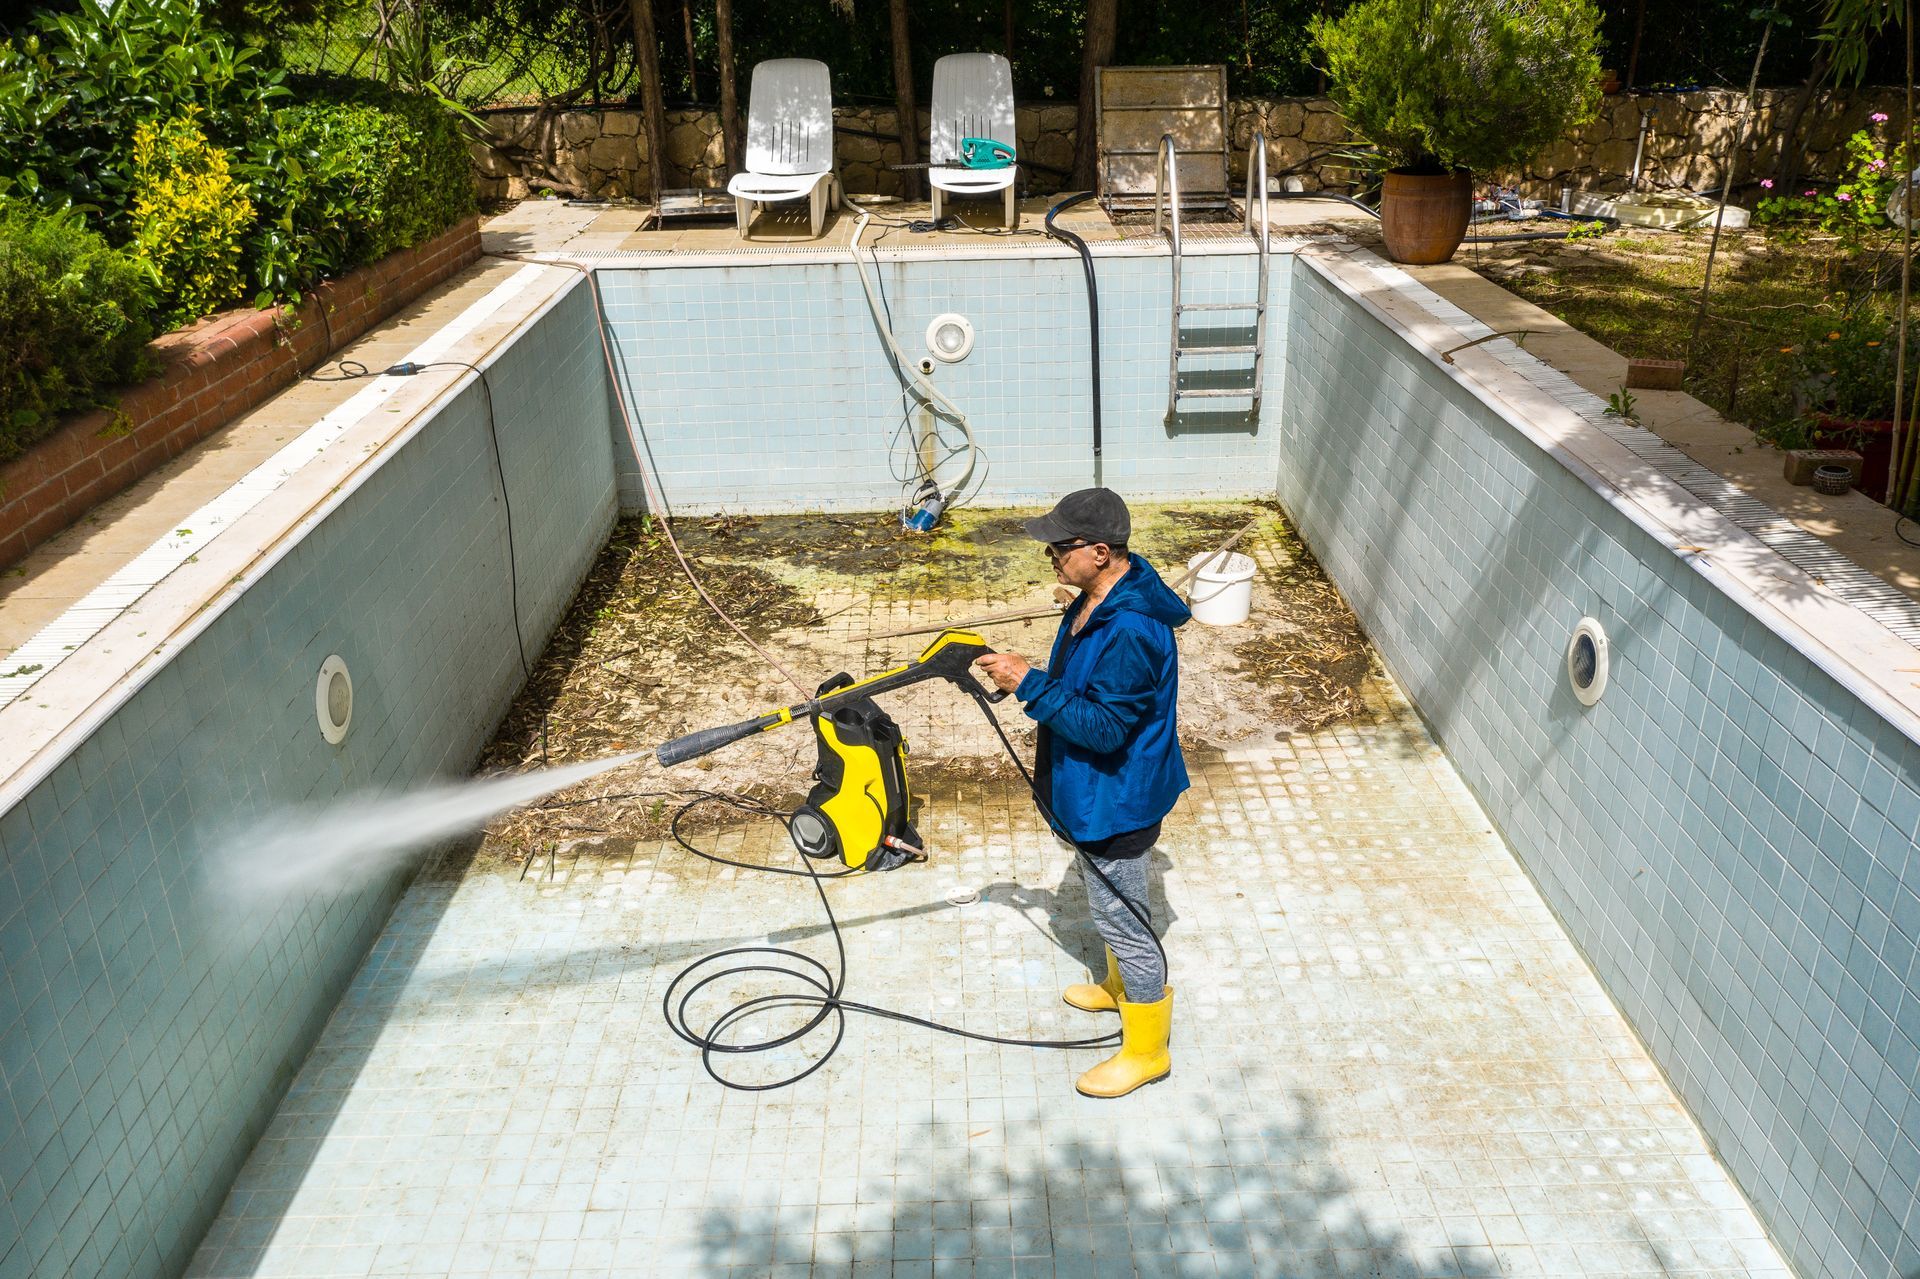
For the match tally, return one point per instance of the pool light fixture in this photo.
(333, 700)
(950, 338)
(1587, 661)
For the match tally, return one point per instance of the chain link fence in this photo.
(494, 63)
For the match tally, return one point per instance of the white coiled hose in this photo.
(910, 370)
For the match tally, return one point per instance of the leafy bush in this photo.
(1843, 367)
(347, 182)
(190, 215)
(354, 174)
(425, 169)
(1857, 204)
(1477, 84)
(308, 181)
(73, 93)
(74, 320)
(148, 177)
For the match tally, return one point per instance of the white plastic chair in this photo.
(972, 98)
(789, 142)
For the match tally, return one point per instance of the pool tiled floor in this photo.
(1388, 1060)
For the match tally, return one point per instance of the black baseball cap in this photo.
(1093, 515)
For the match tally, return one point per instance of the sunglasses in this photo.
(1060, 550)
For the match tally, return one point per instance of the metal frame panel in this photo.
(1132, 114)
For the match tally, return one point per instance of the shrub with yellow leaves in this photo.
(191, 217)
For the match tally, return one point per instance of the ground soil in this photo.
(639, 658)
(1638, 292)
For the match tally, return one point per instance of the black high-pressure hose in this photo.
(823, 988)
(1093, 298)
(1093, 289)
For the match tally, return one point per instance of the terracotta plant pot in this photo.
(1424, 215)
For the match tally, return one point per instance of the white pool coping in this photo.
(94, 657)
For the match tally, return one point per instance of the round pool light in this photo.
(950, 338)
(1587, 655)
(333, 700)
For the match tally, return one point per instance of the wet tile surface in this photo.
(1388, 1060)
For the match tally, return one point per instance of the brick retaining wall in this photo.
(212, 373)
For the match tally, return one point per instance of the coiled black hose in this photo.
(1093, 298)
(821, 988)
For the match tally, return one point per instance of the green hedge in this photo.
(349, 180)
(349, 175)
(75, 319)
(156, 169)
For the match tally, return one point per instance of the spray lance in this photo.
(859, 807)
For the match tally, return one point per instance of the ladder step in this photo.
(1215, 393)
(1218, 306)
(1201, 348)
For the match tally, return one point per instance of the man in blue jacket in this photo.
(1108, 766)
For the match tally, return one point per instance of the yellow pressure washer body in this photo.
(860, 807)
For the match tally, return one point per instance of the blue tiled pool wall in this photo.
(1729, 835)
(146, 1032)
(767, 387)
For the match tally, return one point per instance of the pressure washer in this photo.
(858, 811)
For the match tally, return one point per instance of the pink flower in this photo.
(1878, 164)
(1808, 191)
(1878, 117)
(1767, 183)
(1846, 195)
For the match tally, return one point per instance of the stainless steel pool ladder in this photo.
(1166, 218)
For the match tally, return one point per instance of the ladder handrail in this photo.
(1257, 150)
(1166, 182)
(1166, 192)
(1257, 155)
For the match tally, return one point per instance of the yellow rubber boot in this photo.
(1104, 998)
(1143, 1056)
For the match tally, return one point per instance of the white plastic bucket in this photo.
(1222, 592)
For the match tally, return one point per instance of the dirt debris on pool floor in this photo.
(639, 658)
(1389, 1059)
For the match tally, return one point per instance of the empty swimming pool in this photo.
(1477, 978)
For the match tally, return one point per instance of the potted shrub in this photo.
(1444, 88)
(1842, 375)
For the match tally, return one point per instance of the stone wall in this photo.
(603, 152)
(1688, 135)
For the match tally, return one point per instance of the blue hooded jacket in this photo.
(1109, 759)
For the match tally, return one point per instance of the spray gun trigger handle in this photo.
(987, 693)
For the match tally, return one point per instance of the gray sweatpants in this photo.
(1141, 967)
